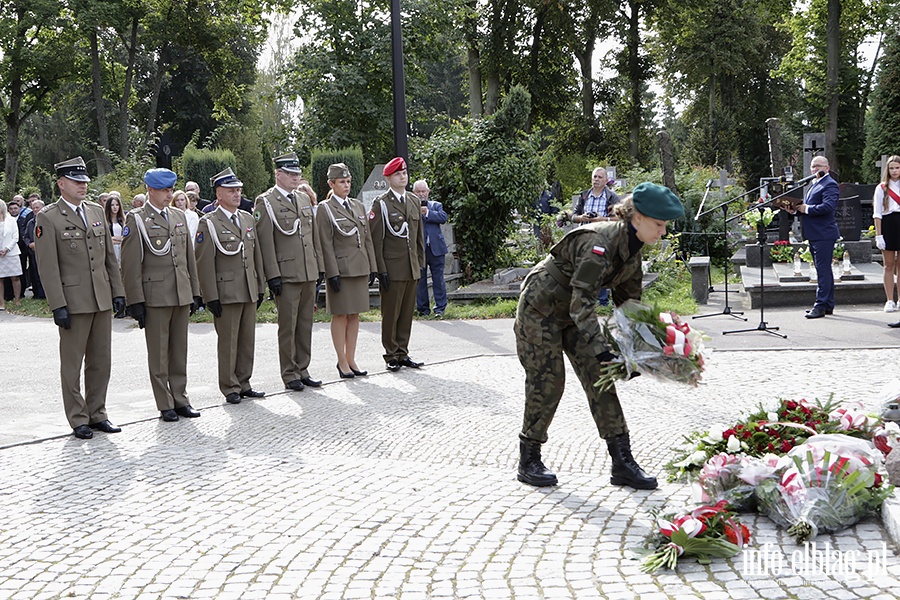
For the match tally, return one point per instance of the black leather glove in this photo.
(259, 300)
(196, 304)
(334, 283)
(384, 282)
(138, 313)
(320, 279)
(371, 279)
(215, 307)
(275, 286)
(61, 317)
(605, 357)
(119, 304)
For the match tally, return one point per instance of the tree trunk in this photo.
(832, 88)
(667, 159)
(776, 159)
(635, 77)
(126, 90)
(13, 124)
(536, 39)
(585, 58)
(154, 96)
(103, 163)
(475, 107)
(492, 93)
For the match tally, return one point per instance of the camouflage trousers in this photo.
(540, 342)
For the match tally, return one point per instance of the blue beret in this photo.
(160, 179)
(657, 202)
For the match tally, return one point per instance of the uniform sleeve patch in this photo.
(599, 250)
(38, 231)
(126, 231)
(199, 237)
(257, 215)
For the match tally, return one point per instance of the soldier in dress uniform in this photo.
(349, 265)
(556, 315)
(230, 265)
(162, 290)
(292, 258)
(83, 286)
(400, 255)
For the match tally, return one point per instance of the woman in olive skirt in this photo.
(349, 262)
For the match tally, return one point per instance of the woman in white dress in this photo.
(116, 219)
(10, 264)
(182, 200)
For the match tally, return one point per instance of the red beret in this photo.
(395, 165)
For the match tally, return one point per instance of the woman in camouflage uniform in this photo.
(556, 315)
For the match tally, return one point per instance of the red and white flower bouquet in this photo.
(651, 342)
(707, 532)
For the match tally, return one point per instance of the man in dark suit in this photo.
(821, 230)
(399, 254)
(81, 277)
(433, 216)
(230, 266)
(161, 286)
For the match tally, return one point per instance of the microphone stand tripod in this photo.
(700, 213)
(761, 243)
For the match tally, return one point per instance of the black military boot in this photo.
(625, 470)
(531, 470)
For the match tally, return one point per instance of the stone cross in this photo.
(813, 145)
(882, 164)
(724, 181)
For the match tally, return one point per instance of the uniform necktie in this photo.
(347, 206)
(291, 196)
(234, 219)
(80, 212)
(165, 215)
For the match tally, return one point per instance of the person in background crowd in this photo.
(115, 216)
(349, 259)
(556, 317)
(229, 263)
(138, 201)
(193, 186)
(74, 246)
(37, 289)
(886, 214)
(400, 255)
(159, 272)
(10, 265)
(102, 199)
(21, 215)
(594, 205)
(304, 187)
(180, 201)
(433, 216)
(292, 259)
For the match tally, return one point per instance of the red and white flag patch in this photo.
(599, 250)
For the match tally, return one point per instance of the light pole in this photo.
(401, 147)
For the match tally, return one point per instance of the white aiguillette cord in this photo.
(215, 238)
(402, 233)
(275, 221)
(139, 223)
(351, 233)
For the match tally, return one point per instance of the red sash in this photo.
(894, 196)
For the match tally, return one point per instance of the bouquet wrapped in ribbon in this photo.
(707, 532)
(651, 342)
(734, 479)
(826, 485)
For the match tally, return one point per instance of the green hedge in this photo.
(320, 160)
(199, 164)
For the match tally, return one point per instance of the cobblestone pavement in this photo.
(403, 486)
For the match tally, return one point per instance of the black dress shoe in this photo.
(408, 362)
(310, 382)
(233, 398)
(187, 411)
(105, 426)
(295, 385)
(83, 432)
(828, 311)
(894, 325)
(168, 415)
(251, 393)
(344, 375)
(359, 373)
(816, 313)
(393, 365)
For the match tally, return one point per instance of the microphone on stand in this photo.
(809, 178)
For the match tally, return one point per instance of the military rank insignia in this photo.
(38, 231)
(199, 237)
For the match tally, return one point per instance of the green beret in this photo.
(656, 202)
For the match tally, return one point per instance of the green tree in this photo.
(485, 171)
(883, 120)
